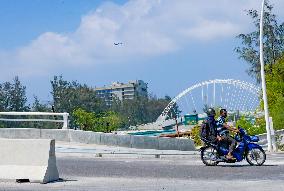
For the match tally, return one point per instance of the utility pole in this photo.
(214, 94)
(266, 111)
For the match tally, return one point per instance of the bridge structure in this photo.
(37, 116)
(235, 95)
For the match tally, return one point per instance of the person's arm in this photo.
(231, 128)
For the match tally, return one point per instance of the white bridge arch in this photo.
(252, 96)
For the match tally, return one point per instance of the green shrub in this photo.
(108, 122)
(195, 135)
(85, 120)
(102, 122)
(256, 129)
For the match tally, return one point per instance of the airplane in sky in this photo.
(117, 43)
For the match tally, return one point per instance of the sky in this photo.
(169, 44)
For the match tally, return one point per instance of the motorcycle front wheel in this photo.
(209, 156)
(256, 157)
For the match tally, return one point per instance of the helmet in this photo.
(211, 112)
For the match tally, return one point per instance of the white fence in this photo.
(64, 117)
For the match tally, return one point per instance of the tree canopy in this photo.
(275, 92)
(273, 42)
(13, 96)
(273, 45)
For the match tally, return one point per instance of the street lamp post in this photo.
(266, 112)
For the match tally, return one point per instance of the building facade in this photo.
(122, 91)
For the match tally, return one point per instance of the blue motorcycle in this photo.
(213, 153)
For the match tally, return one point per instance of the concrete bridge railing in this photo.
(89, 137)
(64, 119)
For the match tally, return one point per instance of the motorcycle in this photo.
(213, 153)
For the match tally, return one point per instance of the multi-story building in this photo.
(122, 91)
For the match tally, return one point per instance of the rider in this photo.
(223, 132)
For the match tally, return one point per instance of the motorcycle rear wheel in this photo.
(209, 155)
(256, 157)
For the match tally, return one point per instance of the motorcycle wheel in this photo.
(256, 157)
(209, 156)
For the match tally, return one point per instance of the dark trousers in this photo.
(232, 142)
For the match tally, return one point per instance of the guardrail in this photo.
(64, 115)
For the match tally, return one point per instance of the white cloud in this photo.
(207, 30)
(145, 27)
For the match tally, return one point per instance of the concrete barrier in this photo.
(144, 142)
(263, 137)
(19, 133)
(94, 137)
(182, 144)
(89, 137)
(123, 140)
(57, 134)
(108, 139)
(32, 159)
(186, 145)
(166, 143)
(280, 133)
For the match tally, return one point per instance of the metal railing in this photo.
(64, 115)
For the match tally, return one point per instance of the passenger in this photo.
(212, 134)
(223, 132)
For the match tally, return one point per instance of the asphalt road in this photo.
(166, 168)
(143, 173)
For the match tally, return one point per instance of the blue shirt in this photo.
(221, 130)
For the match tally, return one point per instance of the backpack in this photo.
(207, 130)
(204, 129)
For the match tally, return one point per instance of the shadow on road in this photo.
(246, 165)
(63, 180)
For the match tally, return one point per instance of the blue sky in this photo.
(169, 44)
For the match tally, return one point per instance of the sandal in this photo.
(230, 157)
